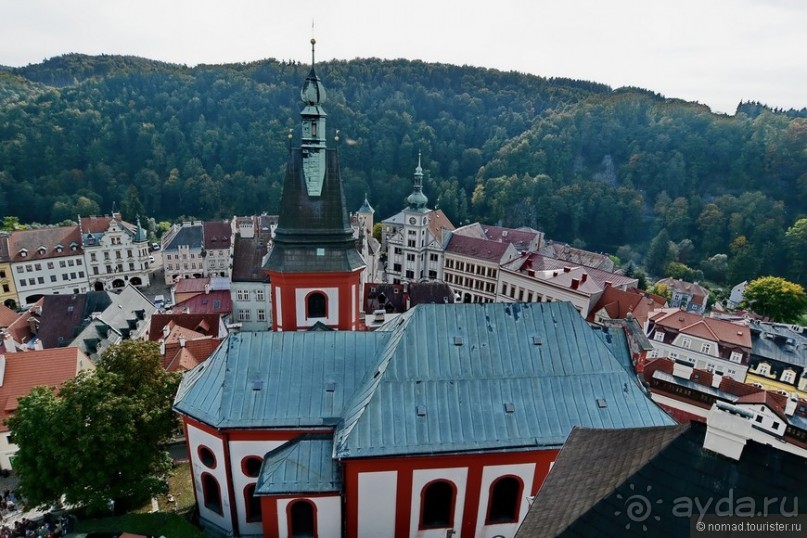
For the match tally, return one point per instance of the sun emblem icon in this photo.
(638, 507)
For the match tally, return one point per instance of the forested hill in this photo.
(606, 168)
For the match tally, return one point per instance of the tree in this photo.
(659, 253)
(776, 298)
(796, 245)
(101, 436)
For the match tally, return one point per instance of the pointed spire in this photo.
(313, 92)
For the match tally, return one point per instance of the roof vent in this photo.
(257, 385)
(421, 410)
(509, 407)
(458, 340)
(536, 341)
(330, 387)
(601, 403)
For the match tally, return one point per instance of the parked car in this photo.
(155, 246)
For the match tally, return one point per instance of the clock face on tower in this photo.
(412, 220)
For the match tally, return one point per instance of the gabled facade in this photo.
(413, 238)
(182, 248)
(116, 253)
(706, 343)
(314, 267)
(686, 295)
(218, 248)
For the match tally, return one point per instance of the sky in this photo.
(716, 52)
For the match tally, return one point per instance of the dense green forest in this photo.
(655, 181)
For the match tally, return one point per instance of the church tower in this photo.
(314, 266)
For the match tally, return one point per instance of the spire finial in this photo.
(313, 42)
(418, 158)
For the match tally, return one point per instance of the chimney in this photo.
(566, 269)
(162, 346)
(8, 343)
(682, 369)
(207, 289)
(181, 341)
(727, 429)
(608, 283)
(717, 377)
(2, 369)
(575, 283)
(583, 277)
(790, 406)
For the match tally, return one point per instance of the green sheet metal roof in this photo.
(282, 379)
(304, 465)
(490, 376)
(440, 378)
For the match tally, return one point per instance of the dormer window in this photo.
(41, 250)
(24, 252)
(59, 248)
(73, 245)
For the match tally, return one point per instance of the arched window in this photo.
(252, 504)
(211, 493)
(302, 518)
(437, 505)
(316, 305)
(504, 501)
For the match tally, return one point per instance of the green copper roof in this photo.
(304, 465)
(440, 378)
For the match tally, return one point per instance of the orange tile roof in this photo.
(702, 327)
(26, 370)
(7, 316)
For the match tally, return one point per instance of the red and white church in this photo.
(443, 421)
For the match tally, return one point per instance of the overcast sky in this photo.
(716, 52)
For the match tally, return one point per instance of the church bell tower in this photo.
(314, 267)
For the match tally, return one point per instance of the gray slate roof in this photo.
(304, 465)
(565, 378)
(600, 476)
(190, 235)
(576, 483)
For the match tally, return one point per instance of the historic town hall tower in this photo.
(314, 266)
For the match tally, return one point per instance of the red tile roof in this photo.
(215, 302)
(183, 358)
(205, 324)
(618, 304)
(7, 316)
(47, 238)
(26, 370)
(473, 247)
(729, 333)
(191, 285)
(216, 235)
(437, 223)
